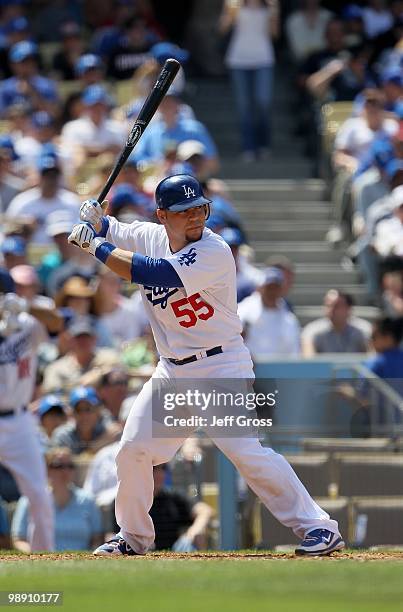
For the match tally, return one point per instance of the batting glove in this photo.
(91, 211)
(82, 235)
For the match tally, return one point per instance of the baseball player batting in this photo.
(187, 278)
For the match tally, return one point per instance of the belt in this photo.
(213, 351)
(8, 413)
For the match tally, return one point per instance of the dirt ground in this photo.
(364, 555)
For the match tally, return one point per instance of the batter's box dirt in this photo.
(352, 555)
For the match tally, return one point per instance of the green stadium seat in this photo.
(377, 521)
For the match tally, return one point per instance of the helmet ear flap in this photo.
(207, 211)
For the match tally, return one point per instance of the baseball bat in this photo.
(161, 86)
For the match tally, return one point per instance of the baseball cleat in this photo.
(116, 546)
(320, 542)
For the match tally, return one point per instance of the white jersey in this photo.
(18, 363)
(203, 313)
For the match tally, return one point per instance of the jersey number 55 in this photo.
(199, 309)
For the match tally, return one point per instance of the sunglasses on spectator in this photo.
(61, 466)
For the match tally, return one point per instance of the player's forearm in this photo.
(120, 262)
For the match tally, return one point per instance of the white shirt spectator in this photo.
(355, 136)
(102, 481)
(376, 22)
(83, 132)
(269, 331)
(32, 204)
(250, 45)
(122, 324)
(305, 37)
(388, 239)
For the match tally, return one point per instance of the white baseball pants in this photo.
(267, 473)
(21, 453)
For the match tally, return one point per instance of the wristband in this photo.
(102, 249)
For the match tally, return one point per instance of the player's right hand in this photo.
(82, 235)
(91, 211)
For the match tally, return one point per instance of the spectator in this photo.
(179, 525)
(377, 18)
(64, 60)
(10, 185)
(389, 232)
(52, 15)
(52, 414)
(77, 517)
(270, 329)
(281, 262)
(27, 85)
(338, 331)
(341, 78)
(14, 251)
(132, 50)
(392, 296)
(127, 204)
(305, 29)
(173, 128)
(115, 311)
(113, 389)
(39, 202)
(58, 228)
(354, 25)
(65, 372)
(89, 430)
(30, 147)
(94, 132)
(247, 277)
(250, 59)
(89, 69)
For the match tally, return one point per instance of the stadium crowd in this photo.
(70, 88)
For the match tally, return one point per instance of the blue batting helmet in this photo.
(180, 192)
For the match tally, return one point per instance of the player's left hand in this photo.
(82, 235)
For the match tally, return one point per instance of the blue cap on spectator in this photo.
(351, 12)
(7, 284)
(13, 245)
(84, 394)
(23, 50)
(47, 161)
(89, 61)
(164, 50)
(7, 144)
(272, 276)
(393, 75)
(232, 236)
(393, 167)
(50, 402)
(125, 194)
(19, 24)
(95, 94)
(42, 119)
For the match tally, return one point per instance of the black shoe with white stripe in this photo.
(320, 542)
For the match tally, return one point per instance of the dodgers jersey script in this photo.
(201, 314)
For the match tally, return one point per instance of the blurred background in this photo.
(290, 113)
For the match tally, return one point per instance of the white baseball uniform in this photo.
(20, 447)
(189, 321)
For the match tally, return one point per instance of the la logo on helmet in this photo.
(188, 191)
